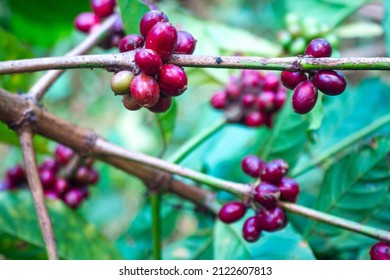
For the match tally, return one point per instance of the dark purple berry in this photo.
(232, 212)
(304, 97)
(61, 185)
(85, 21)
(16, 175)
(319, 48)
(274, 171)
(329, 82)
(266, 101)
(289, 189)
(291, 79)
(145, 90)
(48, 178)
(219, 100)
(63, 154)
(82, 175)
(380, 251)
(131, 42)
(163, 104)
(172, 80)
(253, 119)
(149, 19)
(129, 103)
(267, 195)
(121, 82)
(162, 38)
(74, 197)
(251, 230)
(248, 100)
(185, 43)
(272, 219)
(252, 165)
(271, 82)
(148, 61)
(103, 8)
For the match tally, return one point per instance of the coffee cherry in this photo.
(52, 194)
(163, 104)
(48, 178)
(329, 82)
(274, 171)
(304, 97)
(232, 212)
(93, 176)
(219, 100)
(172, 80)
(267, 195)
(148, 61)
(131, 42)
(61, 185)
(149, 19)
(50, 164)
(233, 88)
(145, 90)
(280, 98)
(16, 175)
(251, 79)
(252, 165)
(271, 82)
(185, 43)
(251, 230)
(6, 185)
(266, 101)
(63, 154)
(289, 189)
(162, 38)
(268, 120)
(74, 197)
(117, 28)
(103, 8)
(129, 103)
(272, 219)
(319, 48)
(82, 175)
(85, 21)
(248, 100)
(121, 81)
(253, 119)
(380, 251)
(291, 79)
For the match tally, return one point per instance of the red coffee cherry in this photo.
(145, 90)
(93, 176)
(248, 100)
(380, 251)
(233, 88)
(103, 8)
(304, 97)
(85, 21)
(121, 82)
(251, 79)
(162, 38)
(52, 194)
(219, 100)
(61, 185)
(74, 197)
(267, 195)
(252, 165)
(274, 171)
(130, 42)
(289, 189)
(291, 79)
(251, 230)
(232, 212)
(271, 82)
(185, 43)
(50, 164)
(15, 175)
(319, 48)
(272, 219)
(172, 80)
(163, 104)
(266, 101)
(129, 103)
(148, 61)
(329, 82)
(48, 178)
(253, 119)
(63, 154)
(280, 98)
(149, 19)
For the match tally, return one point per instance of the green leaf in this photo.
(132, 12)
(166, 122)
(19, 226)
(386, 24)
(360, 30)
(316, 115)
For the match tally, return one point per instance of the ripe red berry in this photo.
(219, 100)
(232, 212)
(129, 103)
(251, 79)
(380, 251)
(52, 194)
(252, 165)
(162, 38)
(304, 97)
(74, 197)
(280, 98)
(103, 8)
(253, 119)
(149, 19)
(163, 104)
(248, 100)
(289, 189)
(266, 101)
(82, 175)
(319, 48)
(16, 175)
(251, 230)
(172, 80)
(48, 178)
(121, 81)
(145, 90)
(93, 176)
(185, 43)
(61, 185)
(329, 82)
(63, 154)
(274, 171)
(267, 195)
(131, 42)
(85, 21)
(291, 79)
(148, 61)
(271, 82)
(272, 219)
(50, 164)
(233, 88)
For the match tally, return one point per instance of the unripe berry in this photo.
(252, 165)
(267, 195)
(162, 38)
(131, 42)
(129, 103)
(149, 19)
(148, 61)
(251, 230)
(319, 48)
(304, 97)
(272, 219)
(274, 171)
(172, 80)
(145, 90)
(291, 79)
(103, 8)
(289, 189)
(219, 100)
(163, 104)
(121, 82)
(85, 21)
(185, 43)
(329, 82)
(232, 212)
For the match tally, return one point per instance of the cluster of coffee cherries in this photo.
(70, 188)
(156, 82)
(306, 87)
(300, 31)
(85, 22)
(251, 99)
(273, 186)
(380, 251)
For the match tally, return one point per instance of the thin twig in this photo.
(25, 137)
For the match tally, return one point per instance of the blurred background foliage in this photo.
(115, 221)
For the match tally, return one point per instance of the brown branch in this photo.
(34, 182)
(43, 84)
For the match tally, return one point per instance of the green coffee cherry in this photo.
(297, 46)
(121, 81)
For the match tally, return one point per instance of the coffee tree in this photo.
(280, 153)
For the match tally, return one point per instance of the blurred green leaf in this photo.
(75, 238)
(166, 122)
(132, 12)
(360, 30)
(316, 115)
(386, 25)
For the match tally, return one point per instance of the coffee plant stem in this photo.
(345, 143)
(155, 199)
(34, 182)
(189, 146)
(44, 83)
(336, 221)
